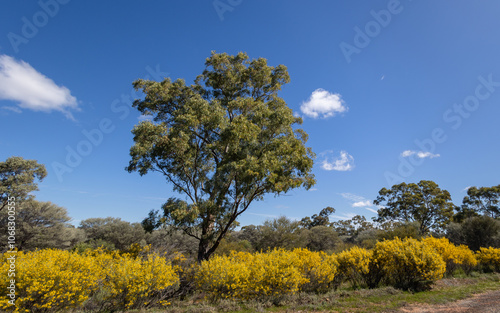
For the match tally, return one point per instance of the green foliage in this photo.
(280, 233)
(389, 231)
(40, 225)
(17, 179)
(481, 231)
(229, 244)
(153, 221)
(349, 229)
(321, 219)
(223, 142)
(321, 238)
(120, 234)
(424, 203)
(169, 241)
(485, 200)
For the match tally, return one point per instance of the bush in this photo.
(56, 280)
(225, 276)
(275, 273)
(262, 275)
(454, 256)
(408, 264)
(133, 282)
(354, 265)
(50, 280)
(489, 258)
(318, 268)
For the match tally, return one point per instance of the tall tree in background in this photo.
(321, 219)
(485, 200)
(424, 203)
(223, 142)
(39, 225)
(17, 179)
(119, 234)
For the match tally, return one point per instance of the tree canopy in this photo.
(424, 203)
(222, 142)
(119, 234)
(321, 219)
(17, 179)
(485, 200)
(39, 225)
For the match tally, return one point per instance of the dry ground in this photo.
(488, 302)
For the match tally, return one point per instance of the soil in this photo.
(488, 302)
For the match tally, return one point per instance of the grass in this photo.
(385, 299)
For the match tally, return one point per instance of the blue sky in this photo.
(390, 91)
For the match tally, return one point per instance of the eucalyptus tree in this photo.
(17, 179)
(223, 142)
(485, 200)
(423, 203)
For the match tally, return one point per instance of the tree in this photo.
(475, 232)
(485, 200)
(121, 234)
(321, 219)
(321, 238)
(17, 179)
(40, 225)
(169, 241)
(281, 233)
(424, 203)
(223, 142)
(152, 222)
(350, 228)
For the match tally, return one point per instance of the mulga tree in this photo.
(223, 142)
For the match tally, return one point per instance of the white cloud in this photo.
(323, 104)
(264, 215)
(344, 163)
(361, 204)
(12, 109)
(346, 216)
(352, 197)
(407, 153)
(21, 83)
(419, 154)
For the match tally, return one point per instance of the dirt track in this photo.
(482, 303)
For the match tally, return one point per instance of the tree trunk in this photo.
(203, 250)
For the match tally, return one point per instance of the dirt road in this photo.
(482, 303)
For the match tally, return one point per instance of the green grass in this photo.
(385, 299)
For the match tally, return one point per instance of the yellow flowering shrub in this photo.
(354, 264)
(318, 268)
(273, 273)
(454, 256)
(224, 276)
(56, 280)
(49, 280)
(133, 282)
(489, 258)
(408, 263)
